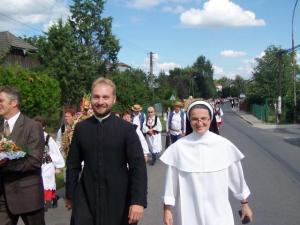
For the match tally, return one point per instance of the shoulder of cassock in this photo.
(207, 153)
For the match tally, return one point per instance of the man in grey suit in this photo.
(21, 185)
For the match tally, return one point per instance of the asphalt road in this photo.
(271, 167)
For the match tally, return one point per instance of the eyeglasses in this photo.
(203, 119)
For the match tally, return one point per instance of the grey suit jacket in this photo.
(21, 179)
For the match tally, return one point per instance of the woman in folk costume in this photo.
(127, 117)
(152, 128)
(218, 114)
(51, 163)
(201, 168)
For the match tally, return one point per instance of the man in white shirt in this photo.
(176, 123)
(138, 117)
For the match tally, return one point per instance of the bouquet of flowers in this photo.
(9, 150)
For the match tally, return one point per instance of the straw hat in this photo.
(177, 103)
(136, 108)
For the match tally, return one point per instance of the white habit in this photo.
(48, 169)
(200, 171)
(154, 141)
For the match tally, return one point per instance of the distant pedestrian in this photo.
(219, 115)
(176, 126)
(152, 128)
(138, 117)
(127, 117)
(52, 162)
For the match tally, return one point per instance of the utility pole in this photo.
(151, 75)
(294, 65)
(151, 63)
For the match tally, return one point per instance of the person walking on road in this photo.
(201, 168)
(152, 128)
(111, 189)
(176, 126)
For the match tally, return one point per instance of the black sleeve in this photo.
(137, 168)
(73, 164)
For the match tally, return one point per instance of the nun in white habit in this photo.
(201, 168)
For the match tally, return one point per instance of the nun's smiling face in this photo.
(200, 120)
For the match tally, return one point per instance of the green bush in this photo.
(40, 93)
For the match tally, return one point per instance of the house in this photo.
(121, 67)
(14, 50)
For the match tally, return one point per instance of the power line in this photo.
(17, 21)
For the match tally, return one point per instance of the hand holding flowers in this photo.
(9, 150)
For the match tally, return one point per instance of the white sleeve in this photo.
(55, 154)
(237, 183)
(221, 112)
(171, 186)
(143, 141)
(58, 138)
(158, 126)
(184, 122)
(167, 122)
(145, 128)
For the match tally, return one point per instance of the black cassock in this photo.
(114, 175)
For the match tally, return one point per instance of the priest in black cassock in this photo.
(112, 187)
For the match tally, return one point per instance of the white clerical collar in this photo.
(100, 119)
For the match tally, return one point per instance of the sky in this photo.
(229, 33)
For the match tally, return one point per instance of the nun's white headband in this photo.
(198, 102)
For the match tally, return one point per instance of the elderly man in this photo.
(176, 123)
(138, 116)
(21, 185)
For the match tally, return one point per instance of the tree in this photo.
(272, 75)
(179, 80)
(203, 72)
(40, 92)
(132, 88)
(93, 32)
(62, 61)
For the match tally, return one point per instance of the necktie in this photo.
(6, 130)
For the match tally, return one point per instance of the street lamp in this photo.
(294, 64)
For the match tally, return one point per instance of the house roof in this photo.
(8, 40)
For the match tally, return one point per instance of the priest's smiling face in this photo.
(200, 120)
(103, 99)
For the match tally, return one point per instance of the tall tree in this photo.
(203, 73)
(272, 75)
(62, 61)
(94, 33)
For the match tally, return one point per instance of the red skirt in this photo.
(49, 195)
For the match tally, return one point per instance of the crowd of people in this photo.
(104, 156)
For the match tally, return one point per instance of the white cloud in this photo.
(244, 70)
(232, 53)
(158, 66)
(218, 72)
(166, 67)
(220, 13)
(176, 9)
(21, 15)
(143, 4)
